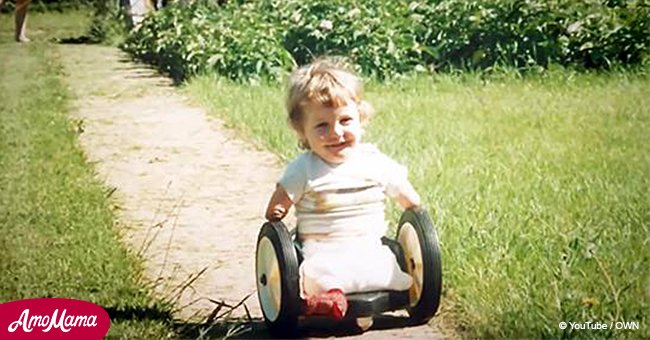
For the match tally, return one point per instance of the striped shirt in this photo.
(343, 200)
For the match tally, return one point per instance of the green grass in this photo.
(57, 231)
(539, 187)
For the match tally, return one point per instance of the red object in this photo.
(333, 303)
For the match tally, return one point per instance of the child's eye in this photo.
(322, 125)
(346, 120)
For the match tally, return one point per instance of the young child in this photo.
(338, 187)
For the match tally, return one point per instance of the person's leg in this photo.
(21, 20)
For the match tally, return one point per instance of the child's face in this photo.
(332, 133)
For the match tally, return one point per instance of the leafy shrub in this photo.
(523, 33)
(189, 38)
(108, 23)
(256, 40)
(370, 33)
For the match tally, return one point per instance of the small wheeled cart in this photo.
(415, 247)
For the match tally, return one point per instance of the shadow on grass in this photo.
(309, 328)
(80, 40)
(139, 313)
(231, 329)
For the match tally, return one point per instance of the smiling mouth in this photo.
(337, 146)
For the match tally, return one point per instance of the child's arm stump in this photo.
(279, 205)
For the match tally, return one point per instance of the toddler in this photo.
(338, 187)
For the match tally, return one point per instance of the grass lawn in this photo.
(539, 188)
(57, 232)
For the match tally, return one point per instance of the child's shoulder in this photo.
(303, 160)
(372, 156)
(372, 151)
(303, 157)
(369, 148)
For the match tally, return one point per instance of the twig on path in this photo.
(213, 315)
(220, 303)
(235, 306)
(248, 313)
(110, 191)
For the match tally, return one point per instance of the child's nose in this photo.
(337, 130)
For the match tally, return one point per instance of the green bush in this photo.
(236, 41)
(370, 33)
(481, 34)
(256, 40)
(108, 24)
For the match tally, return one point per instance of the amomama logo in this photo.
(52, 318)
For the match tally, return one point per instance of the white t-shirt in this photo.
(345, 199)
(340, 213)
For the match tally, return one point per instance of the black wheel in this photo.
(419, 242)
(276, 267)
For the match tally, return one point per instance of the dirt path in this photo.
(190, 194)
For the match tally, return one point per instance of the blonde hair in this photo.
(328, 82)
